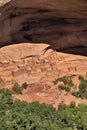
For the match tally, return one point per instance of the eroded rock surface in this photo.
(62, 24)
(2, 2)
(24, 63)
(59, 24)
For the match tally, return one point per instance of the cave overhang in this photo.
(61, 24)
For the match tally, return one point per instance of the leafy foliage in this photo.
(82, 93)
(72, 104)
(67, 83)
(81, 78)
(17, 89)
(24, 85)
(19, 115)
(6, 96)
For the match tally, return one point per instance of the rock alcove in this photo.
(61, 24)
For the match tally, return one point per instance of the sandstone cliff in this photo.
(60, 23)
(39, 24)
(37, 67)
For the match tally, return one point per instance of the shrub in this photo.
(5, 92)
(24, 85)
(82, 93)
(83, 84)
(34, 116)
(67, 88)
(62, 106)
(6, 96)
(71, 84)
(67, 81)
(72, 104)
(17, 89)
(81, 78)
(61, 87)
(55, 81)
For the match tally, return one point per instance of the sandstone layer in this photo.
(38, 27)
(24, 63)
(60, 23)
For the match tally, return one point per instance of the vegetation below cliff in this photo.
(69, 86)
(18, 115)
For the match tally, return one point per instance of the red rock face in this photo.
(39, 68)
(61, 24)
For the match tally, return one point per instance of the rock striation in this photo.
(61, 24)
(39, 67)
(35, 26)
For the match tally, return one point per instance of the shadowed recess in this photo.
(59, 27)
